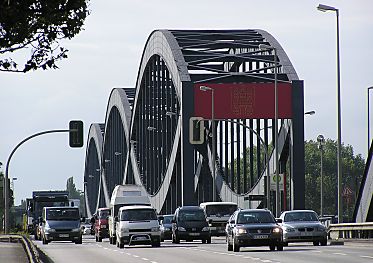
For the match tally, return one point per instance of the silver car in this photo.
(303, 226)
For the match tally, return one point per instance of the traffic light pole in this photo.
(6, 185)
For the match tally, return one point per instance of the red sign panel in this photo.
(243, 101)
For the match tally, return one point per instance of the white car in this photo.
(137, 224)
(303, 226)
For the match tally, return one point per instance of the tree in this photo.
(352, 172)
(38, 25)
(75, 193)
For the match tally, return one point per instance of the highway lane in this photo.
(90, 251)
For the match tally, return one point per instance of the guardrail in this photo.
(29, 247)
(351, 230)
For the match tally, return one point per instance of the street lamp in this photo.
(325, 8)
(204, 88)
(321, 141)
(278, 204)
(370, 88)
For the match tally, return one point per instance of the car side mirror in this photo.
(210, 221)
(82, 219)
(160, 218)
(278, 220)
(116, 219)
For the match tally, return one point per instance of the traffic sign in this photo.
(274, 179)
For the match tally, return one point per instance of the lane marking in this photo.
(266, 260)
(135, 256)
(145, 259)
(340, 254)
(366, 257)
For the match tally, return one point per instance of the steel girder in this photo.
(152, 139)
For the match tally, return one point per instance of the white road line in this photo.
(340, 254)
(316, 251)
(366, 257)
(266, 260)
(145, 259)
(153, 262)
(129, 254)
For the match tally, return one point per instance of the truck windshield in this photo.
(63, 214)
(220, 210)
(138, 215)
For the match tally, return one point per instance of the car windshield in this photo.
(63, 214)
(103, 214)
(192, 215)
(167, 219)
(220, 210)
(300, 216)
(138, 215)
(254, 218)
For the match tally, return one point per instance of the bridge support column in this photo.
(297, 149)
(187, 149)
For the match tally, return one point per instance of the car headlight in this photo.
(276, 230)
(241, 231)
(124, 230)
(289, 229)
(49, 230)
(180, 228)
(206, 228)
(155, 229)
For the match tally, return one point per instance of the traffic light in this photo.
(76, 134)
(196, 130)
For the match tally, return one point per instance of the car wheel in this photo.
(156, 243)
(280, 247)
(236, 246)
(99, 239)
(230, 247)
(272, 247)
(324, 242)
(315, 243)
(176, 239)
(285, 244)
(79, 241)
(110, 240)
(209, 240)
(44, 241)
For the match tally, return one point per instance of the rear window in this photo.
(62, 214)
(103, 214)
(220, 210)
(167, 219)
(138, 215)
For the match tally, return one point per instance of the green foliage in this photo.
(352, 171)
(38, 25)
(75, 193)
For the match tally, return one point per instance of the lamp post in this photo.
(325, 8)
(204, 88)
(278, 198)
(370, 88)
(321, 141)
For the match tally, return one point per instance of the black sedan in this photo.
(253, 227)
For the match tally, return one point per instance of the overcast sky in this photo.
(107, 54)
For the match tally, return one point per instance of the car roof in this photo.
(298, 211)
(190, 208)
(103, 208)
(255, 210)
(217, 203)
(59, 207)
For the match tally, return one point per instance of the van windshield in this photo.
(138, 215)
(220, 210)
(62, 214)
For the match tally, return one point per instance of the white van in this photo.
(218, 213)
(125, 195)
(137, 225)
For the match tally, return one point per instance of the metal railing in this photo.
(351, 230)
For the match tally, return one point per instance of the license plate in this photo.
(194, 234)
(63, 235)
(260, 236)
(212, 228)
(140, 238)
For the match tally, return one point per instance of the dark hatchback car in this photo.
(190, 223)
(253, 227)
(166, 227)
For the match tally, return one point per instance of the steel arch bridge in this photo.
(145, 137)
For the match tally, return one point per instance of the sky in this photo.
(107, 55)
